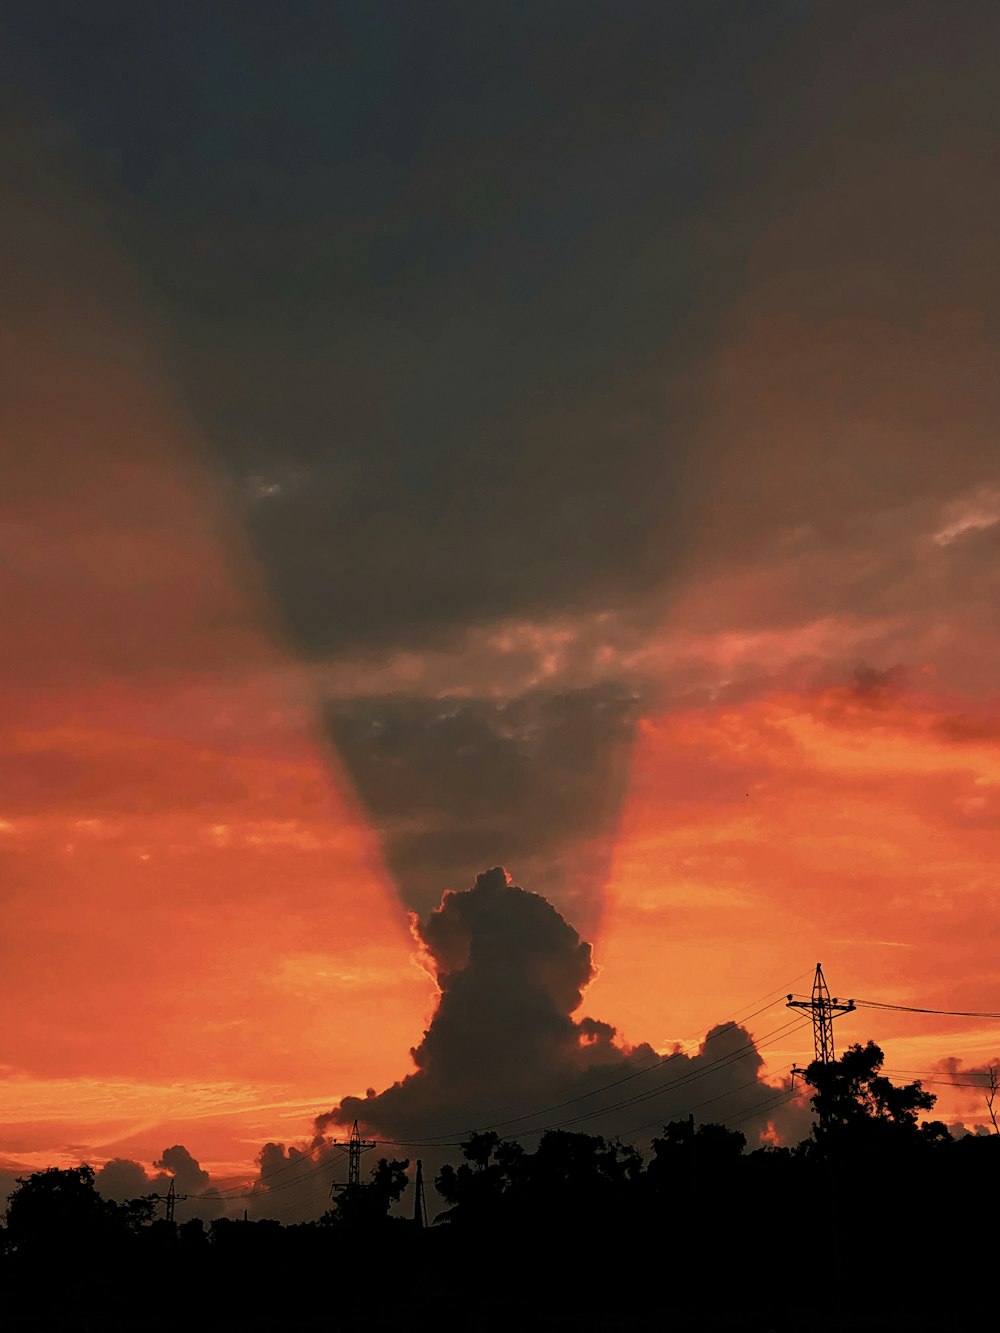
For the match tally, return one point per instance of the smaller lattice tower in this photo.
(169, 1200)
(355, 1146)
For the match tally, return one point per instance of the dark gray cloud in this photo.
(431, 272)
(122, 1178)
(453, 782)
(505, 1051)
(189, 1178)
(297, 1183)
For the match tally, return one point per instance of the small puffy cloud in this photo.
(295, 1183)
(187, 1172)
(122, 1179)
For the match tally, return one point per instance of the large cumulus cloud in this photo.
(504, 1048)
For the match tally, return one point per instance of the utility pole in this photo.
(355, 1146)
(824, 1011)
(169, 1199)
(419, 1203)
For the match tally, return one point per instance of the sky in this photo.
(500, 526)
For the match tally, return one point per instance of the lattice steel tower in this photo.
(824, 1011)
(355, 1146)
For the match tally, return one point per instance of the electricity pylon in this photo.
(355, 1146)
(824, 1011)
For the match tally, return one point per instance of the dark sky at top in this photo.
(440, 282)
(422, 262)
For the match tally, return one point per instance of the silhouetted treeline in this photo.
(876, 1221)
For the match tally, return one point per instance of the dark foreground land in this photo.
(794, 1280)
(765, 1241)
(878, 1222)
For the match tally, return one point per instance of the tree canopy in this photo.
(858, 1107)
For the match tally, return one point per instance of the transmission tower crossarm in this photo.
(823, 1010)
(169, 1199)
(355, 1146)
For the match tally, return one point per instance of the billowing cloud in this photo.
(121, 1178)
(189, 1178)
(505, 1051)
(296, 1183)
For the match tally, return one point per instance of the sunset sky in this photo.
(440, 437)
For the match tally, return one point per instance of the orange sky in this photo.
(200, 941)
(201, 944)
(859, 831)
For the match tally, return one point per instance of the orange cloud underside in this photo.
(761, 837)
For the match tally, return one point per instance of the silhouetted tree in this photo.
(993, 1088)
(367, 1205)
(569, 1170)
(858, 1108)
(476, 1188)
(60, 1208)
(683, 1144)
(479, 1148)
(691, 1169)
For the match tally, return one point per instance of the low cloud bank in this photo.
(122, 1178)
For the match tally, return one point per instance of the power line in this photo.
(455, 1138)
(239, 1191)
(771, 1104)
(606, 1087)
(731, 1057)
(932, 1076)
(450, 1138)
(729, 1092)
(913, 1009)
(779, 1097)
(690, 1076)
(736, 1019)
(681, 1081)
